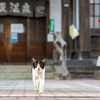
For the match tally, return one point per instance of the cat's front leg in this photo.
(41, 86)
(35, 84)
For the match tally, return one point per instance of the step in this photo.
(15, 75)
(48, 75)
(22, 72)
(49, 61)
(49, 68)
(97, 75)
(80, 62)
(22, 68)
(15, 69)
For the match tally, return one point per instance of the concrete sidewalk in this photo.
(76, 89)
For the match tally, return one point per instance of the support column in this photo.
(49, 45)
(65, 25)
(84, 29)
(28, 40)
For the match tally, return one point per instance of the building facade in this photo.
(32, 42)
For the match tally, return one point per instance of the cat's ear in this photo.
(33, 60)
(43, 60)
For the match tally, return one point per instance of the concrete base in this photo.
(58, 73)
(97, 75)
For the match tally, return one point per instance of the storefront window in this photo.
(96, 1)
(91, 1)
(94, 14)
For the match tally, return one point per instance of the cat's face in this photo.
(38, 65)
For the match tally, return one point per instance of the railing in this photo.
(60, 48)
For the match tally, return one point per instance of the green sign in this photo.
(51, 25)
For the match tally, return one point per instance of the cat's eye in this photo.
(41, 64)
(35, 64)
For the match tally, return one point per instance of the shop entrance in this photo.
(15, 52)
(12, 52)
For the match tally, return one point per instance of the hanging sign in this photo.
(40, 8)
(17, 28)
(73, 32)
(3, 7)
(23, 8)
(14, 37)
(27, 8)
(16, 7)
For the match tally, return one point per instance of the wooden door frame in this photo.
(7, 38)
(28, 40)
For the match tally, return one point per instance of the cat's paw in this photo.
(41, 91)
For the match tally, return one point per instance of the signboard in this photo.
(17, 28)
(51, 25)
(14, 37)
(27, 8)
(55, 13)
(50, 37)
(1, 28)
(66, 5)
(14, 7)
(73, 32)
(40, 8)
(23, 8)
(3, 7)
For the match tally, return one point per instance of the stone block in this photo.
(18, 75)
(49, 68)
(97, 75)
(2, 76)
(49, 75)
(15, 69)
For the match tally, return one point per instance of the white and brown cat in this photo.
(38, 74)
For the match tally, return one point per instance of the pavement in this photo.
(75, 89)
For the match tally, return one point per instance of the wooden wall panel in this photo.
(3, 43)
(2, 52)
(37, 38)
(18, 52)
(94, 47)
(37, 50)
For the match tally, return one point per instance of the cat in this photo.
(38, 74)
